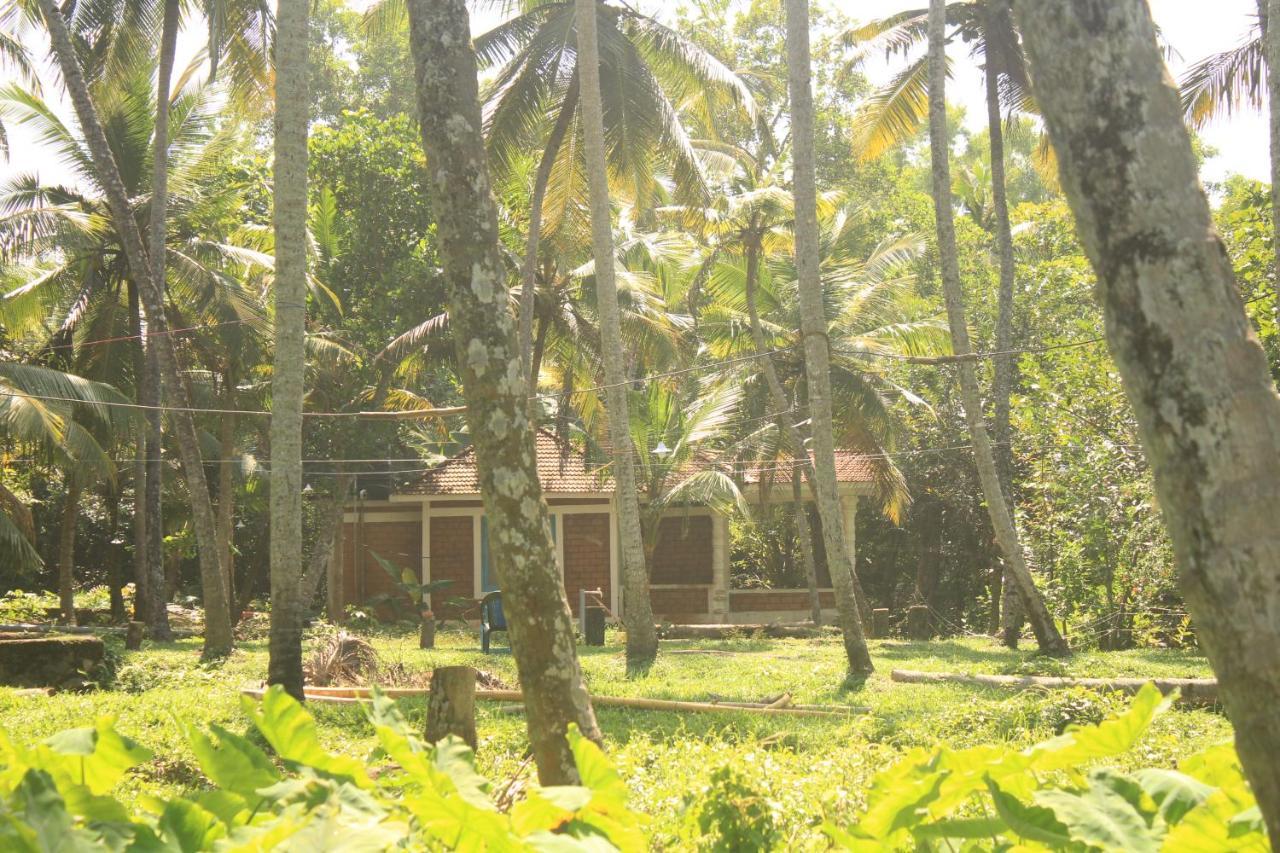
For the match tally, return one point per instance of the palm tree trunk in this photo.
(1002, 379)
(1051, 642)
(1191, 364)
(495, 388)
(813, 328)
(227, 493)
(284, 666)
(113, 559)
(805, 535)
(642, 639)
(529, 269)
(67, 550)
(1269, 10)
(802, 468)
(150, 602)
(217, 632)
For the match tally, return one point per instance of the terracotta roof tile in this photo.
(561, 469)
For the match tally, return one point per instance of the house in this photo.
(437, 523)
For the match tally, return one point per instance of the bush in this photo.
(730, 814)
(57, 794)
(997, 797)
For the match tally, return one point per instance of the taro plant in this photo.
(1053, 796)
(57, 794)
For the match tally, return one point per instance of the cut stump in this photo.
(451, 708)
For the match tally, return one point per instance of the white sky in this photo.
(1194, 28)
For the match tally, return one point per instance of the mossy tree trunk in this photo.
(1192, 367)
(637, 611)
(813, 329)
(289, 205)
(1047, 635)
(217, 637)
(495, 387)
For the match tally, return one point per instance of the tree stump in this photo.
(427, 634)
(133, 636)
(919, 626)
(880, 623)
(451, 709)
(594, 622)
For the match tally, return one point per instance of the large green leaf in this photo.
(96, 757)
(232, 762)
(188, 827)
(1101, 818)
(291, 731)
(1033, 823)
(1113, 736)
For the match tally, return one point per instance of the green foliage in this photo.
(1044, 798)
(731, 814)
(57, 793)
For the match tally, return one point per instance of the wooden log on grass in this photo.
(356, 695)
(451, 708)
(1192, 691)
(919, 625)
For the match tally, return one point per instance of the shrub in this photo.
(997, 797)
(730, 814)
(57, 794)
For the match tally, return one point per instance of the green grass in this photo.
(808, 768)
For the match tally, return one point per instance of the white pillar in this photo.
(426, 540)
(719, 603)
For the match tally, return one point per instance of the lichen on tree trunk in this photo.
(1192, 367)
(495, 387)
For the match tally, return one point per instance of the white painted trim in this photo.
(454, 512)
(805, 590)
(581, 509)
(424, 513)
(615, 585)
(476, 580)
(382, 517)
(680, 586)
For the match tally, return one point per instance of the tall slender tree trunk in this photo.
(1192, 367)
(813, 329)
(496, 387)
(290, 218)
(805, 534)
(1050, 641)
(802, 469)
(529, 269)
(227, 492)
(150, 602)
(217, 632)
(67, 550)
(1269, 10)
(1011, 618)
(642, 639)
(114, 558)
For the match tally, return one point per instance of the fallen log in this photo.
(774, 630)
(91, 630)
(356, 695)
(1192, 691)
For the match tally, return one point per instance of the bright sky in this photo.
(1190, 28)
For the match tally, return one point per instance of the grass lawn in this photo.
(807, 768)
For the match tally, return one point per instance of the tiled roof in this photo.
(850, 468)
(560, 468)
(563, 469)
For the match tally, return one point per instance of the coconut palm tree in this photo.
(654, 83)
(1245, 77)
(55, 415)
(1050, 641)
(898, 111)
(642, 640)
(814, 334)
(75, 279)
(289, 214)
(107, 173)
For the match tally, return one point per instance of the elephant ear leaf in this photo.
(1113, 736)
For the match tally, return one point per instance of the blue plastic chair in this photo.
(492, 618)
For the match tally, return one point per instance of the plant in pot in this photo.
(419, 599)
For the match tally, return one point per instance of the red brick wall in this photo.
(452, 558)
(776, 599)
(586, 554)
(683, 554)
(671, 603)
(397, 542)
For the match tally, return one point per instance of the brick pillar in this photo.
(719, 602)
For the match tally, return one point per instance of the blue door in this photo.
(488, 578)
